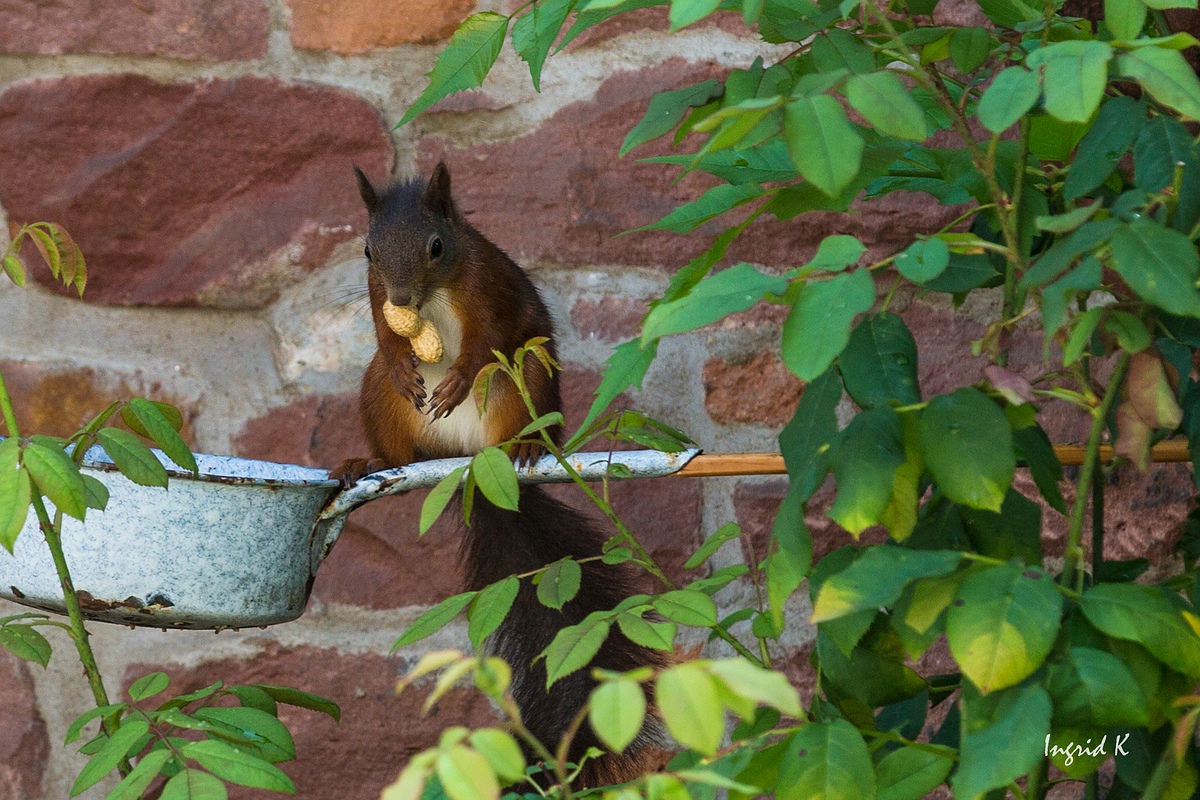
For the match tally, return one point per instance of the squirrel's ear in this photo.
(366, 190)
(437, 193)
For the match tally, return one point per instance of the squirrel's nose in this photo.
(400, 298)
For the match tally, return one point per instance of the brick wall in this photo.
(200, 152)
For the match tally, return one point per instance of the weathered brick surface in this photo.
(24, 743)
(378, 733)
(761, 391)
(58, 402)
(610, 318)
(198, 193)
(211, 30)
(356, 26)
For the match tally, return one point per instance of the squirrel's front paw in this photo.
(349, 471)
(449, 394)
(408, 382)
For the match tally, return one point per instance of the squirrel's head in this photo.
(414, 237)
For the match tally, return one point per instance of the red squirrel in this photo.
(422, 252)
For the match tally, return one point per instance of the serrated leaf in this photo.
(877, 578)
(1166, 75)
(194, 784)
(132, 457)
(501, 751)
(625, 369)
(827, 760)
(24, 642)
(106, 759)
(164, 434)
(691, 708)
(656, 635)
(573, 648)
(763, 686)
(56, 476)
(533, 34)
(148, 686)
(687, 607)
(818, 326)
(301, 699)
(825, 147)
(1013, 92)
(438, 498)
(434, 619)
(726, 532)
(727, 292)
(1116, 128)
(14, 269)
(994, 755)
(879, 363)
(1158, 263)
(1145, 614)
(686, 12)
(909, 773)
(496, 477)
(617, 712)
(885, 102)
(1125, 18)
(865, 458)
(967, 444)
(713, 203)
(489, 608)
(559, 583)
(666, 110)
(15, 496)
(230, 764)
(923, 260)
(465, 61)
(141, 776)
(466, 775)
(272, 739)
(1076, 73)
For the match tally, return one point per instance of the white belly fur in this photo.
(462, 432)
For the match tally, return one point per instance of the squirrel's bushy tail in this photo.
(499, 543)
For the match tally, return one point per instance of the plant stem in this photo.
(1072, 573)
(1036, 787)
(1097, 520)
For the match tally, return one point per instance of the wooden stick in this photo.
(713, 465)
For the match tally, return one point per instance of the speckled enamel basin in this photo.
(237, 547)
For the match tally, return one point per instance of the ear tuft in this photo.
(437, 192)
(366, 190)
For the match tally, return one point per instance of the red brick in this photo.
(58, 402)
(379, 730)
(611, 318)
(356, 26)
(761, 391)
(25, 745)
(210, 30)
(214, 192)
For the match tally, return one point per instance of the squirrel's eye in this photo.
(435, 248)
(367, 252)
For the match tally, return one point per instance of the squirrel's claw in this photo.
(448, 395)
(526, 454)
(349, 471)
(408, 382)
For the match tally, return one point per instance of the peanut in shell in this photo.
(404, 320)
(427, 344)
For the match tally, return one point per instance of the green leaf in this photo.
(713, 203)
(1076, 73)
(1159, 264)
(1034, 448)
(1125, 18)
(573, 648)
(14, 269)
(489, 608)
(24, 642)
(923, 260)
(434, 619)
(148, 686)
(763, 686)
(56, 476)
(97, 492)
(1002, 624)
(968, 448)
(1011, 95)
(825, 147)
(140, 778)
(15, 495)
(728, 531)
(879, 364)
(836, 252)
(970, 47)
(885, 102)
(828, 760)
(163, 433)
(230, 764)
(497, 478)
(656, 635)
(617, 712)
(438, 498)
(301, 699)
(76, 729)
(559, 583)
(253, 697)
(272, 739)
(501, 751)
(865, 458)
(1094, 689)
(106, 759)
(666, 110)
(993, 755)
(877, 578)
(805, 440)
(192, 784)
(727, 292)
(1116, 129)
(533, 34)
(910, 774)
(1166, 75)
(625, 369)
(687, 607)
(818, 326)
(465, 61)
(1068, 221)
(1010, 13)
(132, 457)
(691, 708)
(1145, 615)
(686, 12)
